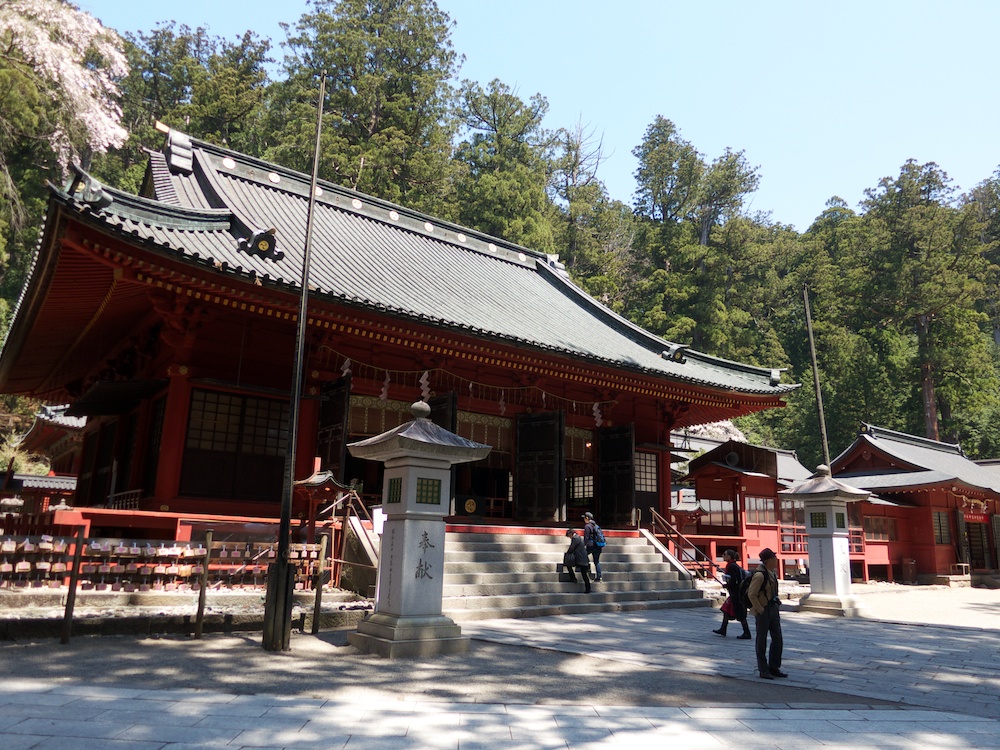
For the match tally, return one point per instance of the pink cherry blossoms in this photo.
(76, 62)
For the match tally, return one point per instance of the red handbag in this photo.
(728, 608)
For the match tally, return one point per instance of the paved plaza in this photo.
(637, 680)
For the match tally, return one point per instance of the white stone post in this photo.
(407, 620)
(826, 500)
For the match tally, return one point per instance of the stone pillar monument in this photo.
(418, 456)
(826, 501)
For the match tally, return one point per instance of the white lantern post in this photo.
(418, 457)
(826, 500)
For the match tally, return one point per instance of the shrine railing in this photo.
(696, 561)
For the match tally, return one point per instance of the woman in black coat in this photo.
(576, 555)
(735, 576)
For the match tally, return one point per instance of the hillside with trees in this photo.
(904, 287)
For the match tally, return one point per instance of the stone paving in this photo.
(154, 694)
(37, 715)
(949, 668)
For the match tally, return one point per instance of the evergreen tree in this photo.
(202, 85)
(507, 163)
(387, 129)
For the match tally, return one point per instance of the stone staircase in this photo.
(490, 576)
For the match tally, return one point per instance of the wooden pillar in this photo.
(666, 483)
(175, 418)
(305, 457)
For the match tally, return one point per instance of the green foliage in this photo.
(386, 130)
(205, 86)
(905, 291)
(506, 161)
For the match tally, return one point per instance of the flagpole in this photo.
(819, 393)
(278, 601)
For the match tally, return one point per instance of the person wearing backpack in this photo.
(735, 575)
(762, 598)
(593, 539)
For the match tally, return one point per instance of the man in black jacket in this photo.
(577, 555)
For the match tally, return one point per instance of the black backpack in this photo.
(745, 588)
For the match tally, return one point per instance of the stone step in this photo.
(551, 610)
(552, 586)
(516, 575)
(512, 541)
(528, 566)
(627, 557)
(495, 576)
(572, 595)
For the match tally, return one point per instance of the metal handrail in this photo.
(352, 503)
(684, 549)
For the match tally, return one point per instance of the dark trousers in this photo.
(769, 623)
(595, 554)
(584, 571)
(725, 623)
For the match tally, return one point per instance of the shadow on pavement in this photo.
(325, 666)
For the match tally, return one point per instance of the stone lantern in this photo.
(418, 457)
(826, 500)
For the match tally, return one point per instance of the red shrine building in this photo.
(937, 508)
(735, 505)
(932, 512)
(168, 320)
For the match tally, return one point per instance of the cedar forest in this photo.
(904, 289)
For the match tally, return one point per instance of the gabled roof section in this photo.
(918, 461)
(757, 460)
(377, 256)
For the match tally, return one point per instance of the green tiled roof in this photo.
(378, 256)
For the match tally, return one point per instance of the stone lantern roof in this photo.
(822, 485)
(421, 437)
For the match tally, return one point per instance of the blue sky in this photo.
(827, 98)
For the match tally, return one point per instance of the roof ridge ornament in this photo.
(675, 353)
(91, 192)
(263, 244)
(178, 151)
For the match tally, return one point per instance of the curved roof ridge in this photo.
(345, 192)
(139, 208)
(651, 341)
(902, 437)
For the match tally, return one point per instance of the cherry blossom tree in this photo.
(58, 73)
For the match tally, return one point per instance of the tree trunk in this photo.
(924, 348)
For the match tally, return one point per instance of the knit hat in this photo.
(766, 554)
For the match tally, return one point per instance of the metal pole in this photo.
(819, 394)
(199, 621)
(74, 580)
(320, 570)
(279, 595)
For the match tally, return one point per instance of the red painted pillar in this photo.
(305, 458)
(175, 418)
(666, 485)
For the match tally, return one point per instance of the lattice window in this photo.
(215, 421)
(395, 490)
(581, 488)
(761, 511)
(718, 512)
(942, 527)
(880, 529)
(647, 474)
(428, 491)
